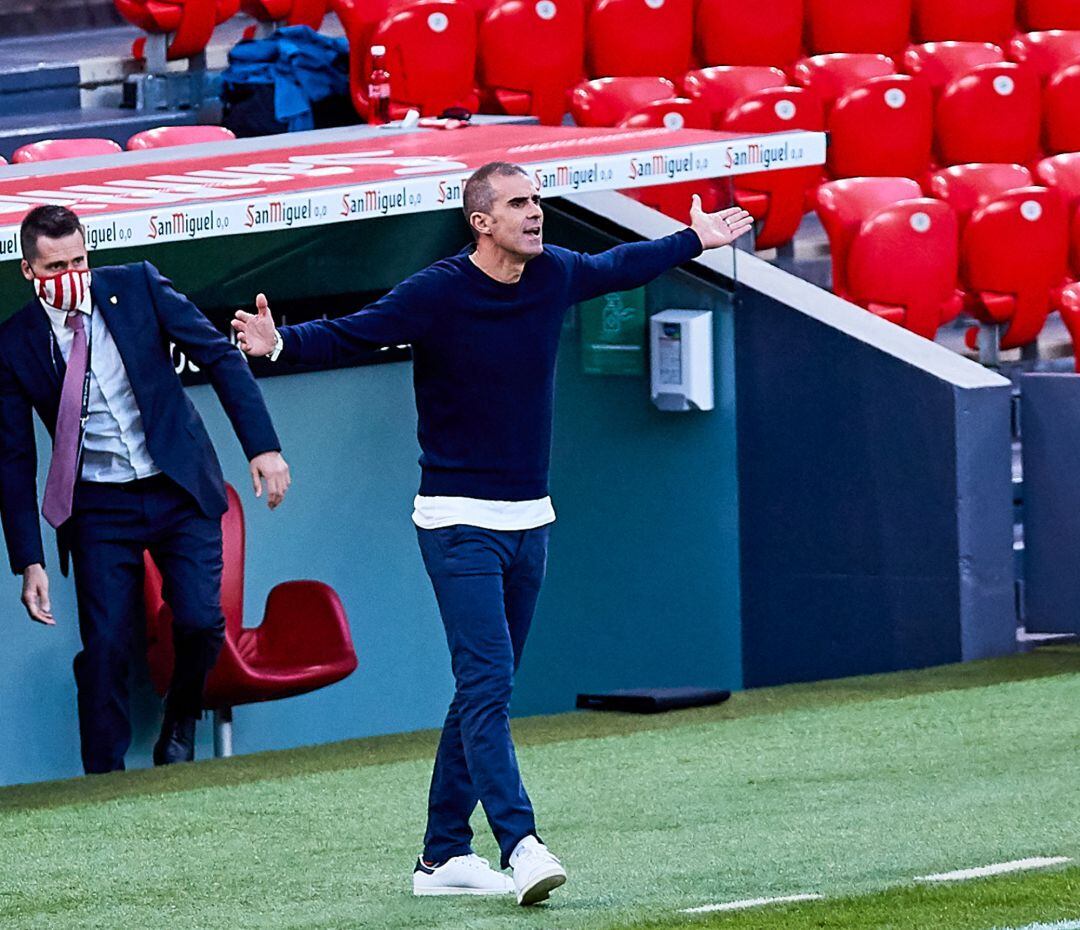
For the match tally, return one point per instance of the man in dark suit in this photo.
(132, 469)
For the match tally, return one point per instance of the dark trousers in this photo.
(486, 583)
(112, 525)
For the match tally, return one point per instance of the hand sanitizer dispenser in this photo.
(682, 359)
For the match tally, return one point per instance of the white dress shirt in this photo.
(114, 442)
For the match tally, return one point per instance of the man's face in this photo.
(516, 222)
(68, 253)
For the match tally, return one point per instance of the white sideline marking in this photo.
(750, 902)
(1060, 925)
(999, 868)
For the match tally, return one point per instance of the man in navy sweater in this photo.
(484, 326)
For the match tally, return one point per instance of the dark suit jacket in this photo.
(143, 312)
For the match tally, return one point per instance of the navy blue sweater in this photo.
(484, 356)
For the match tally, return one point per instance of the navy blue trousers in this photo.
(112, 525)
(486, 583)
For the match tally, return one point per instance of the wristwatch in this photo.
(279, 344)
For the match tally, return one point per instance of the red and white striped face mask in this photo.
(65, 291)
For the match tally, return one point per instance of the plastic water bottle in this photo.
(378, 88)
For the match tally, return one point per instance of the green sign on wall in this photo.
(613, 333)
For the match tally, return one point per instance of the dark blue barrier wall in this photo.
(1050, 428)
(875, 496)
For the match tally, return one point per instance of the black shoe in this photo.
(177, 741)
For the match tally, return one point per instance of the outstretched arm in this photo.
(232, 380)
(636, 263)
(400, 317)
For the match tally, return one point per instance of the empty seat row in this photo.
(161, 137)
(993, 240)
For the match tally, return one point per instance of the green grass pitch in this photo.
(847, 789)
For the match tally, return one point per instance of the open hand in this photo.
(272, 467)
(35, 594)
(720, 228)
(255, 332)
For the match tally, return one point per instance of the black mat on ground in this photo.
(651, 700)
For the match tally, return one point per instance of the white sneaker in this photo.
(536, 871)
(461, 875)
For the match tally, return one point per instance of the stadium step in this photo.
(24, 91)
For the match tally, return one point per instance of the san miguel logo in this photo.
(101, 235)
(449, 192)
(662, 166)
(756, 155)
(9, 246)
(374, 200)
(180, 223)
(278, 213)
(573, 177)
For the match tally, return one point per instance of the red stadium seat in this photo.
(832, 76)
(843, 206)
(359, 18)
(903, 263)
(674, 199)
(1049, 14)
(1046, 52)
(431, 56)
(226, 9)
(292, 12)
(857, 26)
(990, 114)
(188, 23)
(166, 136)
(512, 82)
(3, 161)
(883, 128)
(967, 187)
(749, 33)
(1062, 173)
(1013, 254)
(964, 20)
(722, 87)
(632, 37)
(940, 63)
(776, 199)
(302, 644)
(608, 101)
(1056, 58)
(50, 149)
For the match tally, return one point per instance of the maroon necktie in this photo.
(60, 485)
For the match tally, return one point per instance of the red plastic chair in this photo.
(633, 37)
(903, 263)
(291, 12)
(967, 187)
(964, 20)
(3, 161)
(1049, 14)
(608, 101)
(512, 83)
(431, 56)
(843, 206)
(722, 87)
(832, 76)
(939, 63)
(857, 26)
(51, 149)
(990, 114)
(883, 128)
(302, 644)
(1013, 254)
(674, 199)
(749, 33)
(359, 18)
(1055, 56)
(188, 23)
(776, 199)
(1062, 173)
(167, 136)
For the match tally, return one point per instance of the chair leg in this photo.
(990, 344)
(223, 747)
